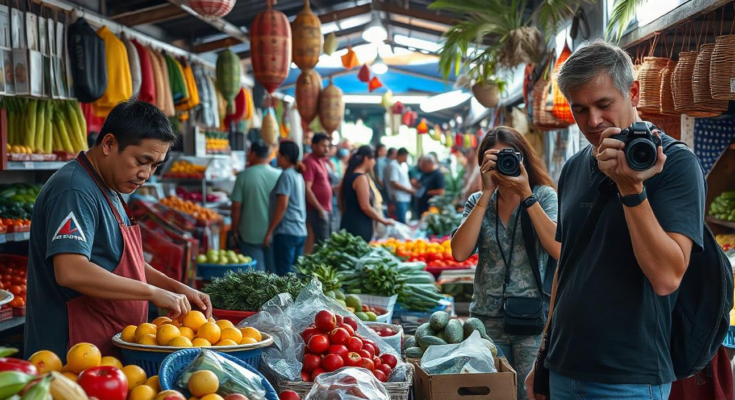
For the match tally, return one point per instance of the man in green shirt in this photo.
(250, 205)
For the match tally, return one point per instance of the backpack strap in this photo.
(529, 241)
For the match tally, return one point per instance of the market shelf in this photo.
(35, 165)
(720, 222)
(195, 180)
(12, 323)
(15, 237)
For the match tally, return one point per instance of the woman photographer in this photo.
(504, 279)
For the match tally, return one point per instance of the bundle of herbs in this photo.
(248, 291)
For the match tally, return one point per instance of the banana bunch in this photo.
(16, 385)
(12, 382)
(44, 126)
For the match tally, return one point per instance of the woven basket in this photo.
(701, 79)
(722, 69)
(667, 96)
(682, 88)
(543, 116)
(649, 78)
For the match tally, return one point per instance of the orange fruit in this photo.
(70, 375)
(211, 319)
(213, 396)
(251, 333)
(154, 382)
(135, 374)
(142, 392)
(149, 340)
(166, 334)
(209, 331)
(112, 361)
(248, 340)
(199, 342)
(82, 356)
(145, 329)
(202, 383)
(232, 333)
(161, 321)
(224, 323)
(170, 395)
(128, 334)
(46, 361)
(194, 319)
(226, 342)
(180, 342)
(65, 368)
(187, 333)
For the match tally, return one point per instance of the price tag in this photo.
(732, 85)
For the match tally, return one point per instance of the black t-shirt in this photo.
(609, 324)
(431, 181)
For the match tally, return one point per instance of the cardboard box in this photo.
(488, 386)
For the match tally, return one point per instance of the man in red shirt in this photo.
(318, 189)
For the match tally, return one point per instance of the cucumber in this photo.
(427, 341)
(453, 332)
(414, 352)
(409, 342)
(438, 320)
(424, 330)
(471, 325)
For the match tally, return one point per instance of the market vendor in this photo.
(87, 277)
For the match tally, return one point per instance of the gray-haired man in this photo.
(612, 322)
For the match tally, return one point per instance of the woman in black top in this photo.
(356, 198)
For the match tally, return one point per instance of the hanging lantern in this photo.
(269, 129)
(423, 127)
(308, 88)
(331, 108)
(307, 38)
(436, 133)
(387, 100)
(350, 60)
(364, 74)
(459, 140)
(240, 108)
(228, 77)
(270, 46)
(250, 105)
(409, 117)
(330, 44)
(398, 108)
(448, 139)
(561, 109)
(212, 8)
(375, 83)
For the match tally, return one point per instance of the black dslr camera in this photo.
(641, 146)
(509, 162)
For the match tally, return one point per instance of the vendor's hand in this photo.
(487, 169)
(612, 162)
(387, 222)
(176, 304)
(324, 214)
(517, 184)
(267, 240)
(197, 298)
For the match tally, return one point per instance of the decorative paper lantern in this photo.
(375, 83)
(410, 117)
(436, 133)
(561, 109)
(330, 44)
(269, 129)
(387, 100)
(307, 38)
(398, 108)
(250, 105)
(270, 46)
(331, 108)
(228, 77)
(240, 108)
(350, 60)
(308, 88)
(212, 8)
(364, 74)
(423, 127)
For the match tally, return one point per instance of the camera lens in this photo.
(509, 165)
(641, 154)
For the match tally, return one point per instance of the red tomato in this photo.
(14, 364)
(316, 373)
(311, 362)
(318, 344)
(376, 349)
(308, 333)
(353, 360)
(286, 395)
(305, 376)
(332, 362)
(340, 319)
(15, 290)
(351, 321)
(17, 280)
(365, 354)
(367, 364)
(348, 328)
(354, 344)
(380, 375)
(339, 336)
(2, 286)
(386, 369)
(7, 278)
(105, 382)
(389, 359)
(377, 362)
(17, 302)
(325, 321)
(339, 350)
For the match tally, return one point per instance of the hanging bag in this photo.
(88, 61)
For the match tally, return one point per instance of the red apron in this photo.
(95, 320)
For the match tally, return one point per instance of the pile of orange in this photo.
(183, 166)
(190, 208)
(13, 279)
(195, 330)
(10, 225)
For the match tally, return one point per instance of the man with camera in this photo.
(611, 323)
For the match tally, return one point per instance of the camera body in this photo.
(509, 162)
(641, 145)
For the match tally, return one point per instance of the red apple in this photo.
(339, 336)
(389, 359)
(351, 321)
(305, 376)
(308, 333)
(105, 382)
(348, 328)
(311, 362)
(333, 362)
(340, 319)
(367, 364)
(376, 361)
(386, 369)
(325, 321)
(380, 375)
(354, 344)
(316, 373)
(370, 349)
(287, 395)
(318, 344)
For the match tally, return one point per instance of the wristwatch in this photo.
(633, 199)
(531, 200)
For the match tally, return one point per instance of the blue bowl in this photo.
(173, 366)
(209, 271)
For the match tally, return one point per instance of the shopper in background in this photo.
(472, 177)
(250, 205)
(431, 183)
(380, 163)
(491, 224)
(400, 184)
(357, 198)
(87, 277)
(287, 203)
(639, 251)
(385, 183)
(318, 191)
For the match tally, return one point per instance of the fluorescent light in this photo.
(375, 31)
(414, 43)
(379, 66)
(444, 100)
(375, 99)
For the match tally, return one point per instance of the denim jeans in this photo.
(564, 388)
(401, 210)
(286, 249)
(263, 255)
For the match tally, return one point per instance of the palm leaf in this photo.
(623, 12)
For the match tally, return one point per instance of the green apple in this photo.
(222, 261)
(201, 259)
(231, 253)
(211, 252)
(242, 259)
(248, 260)
(213, 259)
(233, 259)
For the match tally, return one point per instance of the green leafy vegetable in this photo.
(248, 291)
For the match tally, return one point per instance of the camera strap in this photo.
(507, 262)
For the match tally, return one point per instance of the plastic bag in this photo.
(470, 356)
(400, 231)
(347, 384)
(232, 377)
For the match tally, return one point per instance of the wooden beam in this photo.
(215, 45)
(341, 33)
(415, 28)
(150, 15)
(415, 13)
(344, 14)
(218, 23)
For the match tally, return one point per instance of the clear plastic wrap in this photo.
(285, 320)
(470, 356)
(232, 377)
(347, 384)
(398, 231)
